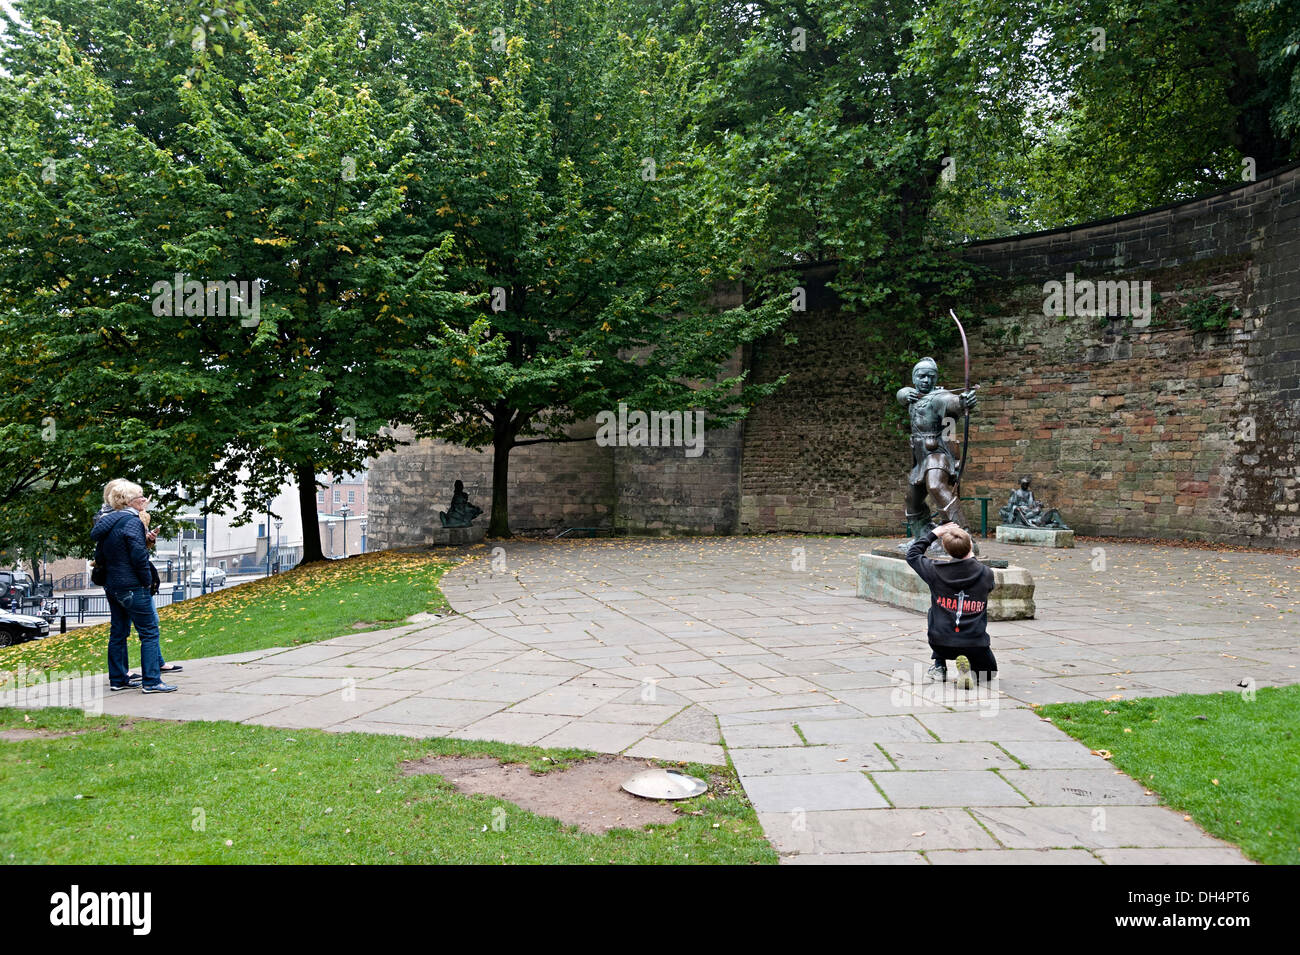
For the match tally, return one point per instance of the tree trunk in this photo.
(311, 549)
(502, 440)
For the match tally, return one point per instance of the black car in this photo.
(21, 627)
(13, 588)
(20, 594)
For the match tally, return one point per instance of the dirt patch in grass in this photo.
(21, 736)
(586, 794)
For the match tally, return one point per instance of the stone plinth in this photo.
(1035, 536)
(453, 536)
(890, 581)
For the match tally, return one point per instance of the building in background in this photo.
(344, 513)
(275, 533)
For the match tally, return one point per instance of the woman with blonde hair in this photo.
(121, 544)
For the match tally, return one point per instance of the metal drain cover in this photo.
(664, 784)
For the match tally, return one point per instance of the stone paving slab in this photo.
(663, 649)
(422, 710)
(1078, 787)
(856, 858)
(875, 830)
(1054, 754)
(872, 729)
(678, 751)
(1093, 827)
(811, 792)
(952, 787)
(364, 725)
(1228, 856)
(797, 760)
(947, 756)
(1012, 857)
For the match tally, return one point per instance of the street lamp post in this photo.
(278, 524)
(204, 588)
(345, 511)
(363, 535)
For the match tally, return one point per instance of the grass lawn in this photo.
(1228, 762)
(158, 792)
(303, 605)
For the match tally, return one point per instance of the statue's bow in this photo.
(965, 431)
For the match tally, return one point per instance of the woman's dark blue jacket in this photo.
(120, 539)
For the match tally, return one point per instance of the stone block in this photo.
(455, 536)
(890, 581)
(1035, 536)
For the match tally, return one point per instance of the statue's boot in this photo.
(919, 522)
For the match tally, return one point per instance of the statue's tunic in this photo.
(929, 451)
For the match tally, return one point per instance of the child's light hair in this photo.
(122, 495)
(957, 543)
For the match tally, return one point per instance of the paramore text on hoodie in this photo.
(959, 594)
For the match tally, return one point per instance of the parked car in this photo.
(20, 627)
(216, 577)
(11, 587)
(15, 589)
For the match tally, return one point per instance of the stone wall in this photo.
(1132, 429)
(551, 486)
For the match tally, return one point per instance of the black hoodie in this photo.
(959, 595)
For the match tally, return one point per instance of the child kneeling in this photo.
(959, 595)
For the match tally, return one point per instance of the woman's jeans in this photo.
(126, 607)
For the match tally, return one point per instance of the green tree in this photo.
(561, 158)
(836, 151)
(1118, 106)
(281, 173)
(90, 389)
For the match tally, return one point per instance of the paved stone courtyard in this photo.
(673, 649)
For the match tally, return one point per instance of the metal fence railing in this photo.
(81, 606)
(72, 582)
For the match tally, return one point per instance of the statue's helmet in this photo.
(923, 364)
(1024, 481)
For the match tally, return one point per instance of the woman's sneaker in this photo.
(964, 679)
(132, 683)
(938, 673)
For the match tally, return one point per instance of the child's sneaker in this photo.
(964, 679)
(938, 673)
